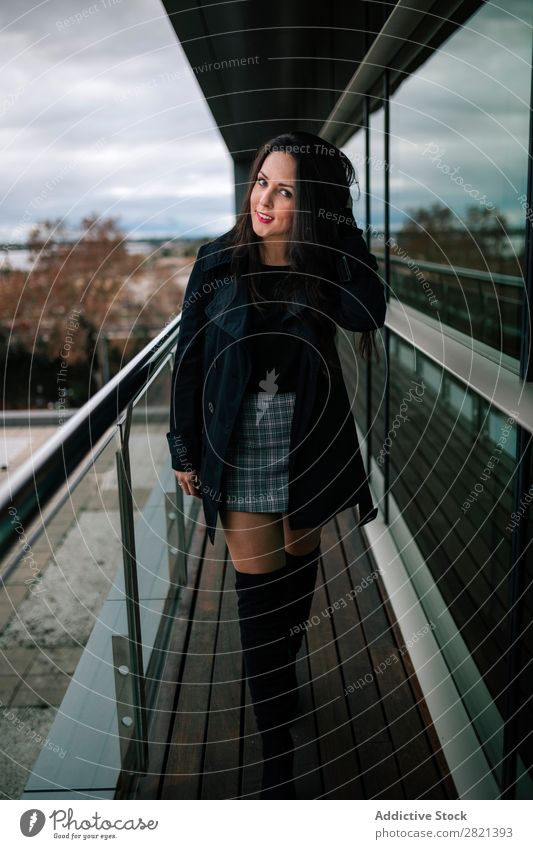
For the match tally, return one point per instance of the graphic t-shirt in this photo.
(275, 351)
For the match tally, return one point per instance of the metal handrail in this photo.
(458, 271)
(32, 486)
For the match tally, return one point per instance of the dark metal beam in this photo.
(268, 67)
(410, 33)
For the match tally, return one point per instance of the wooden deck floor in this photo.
(376, 741)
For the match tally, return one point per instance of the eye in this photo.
(285, 192)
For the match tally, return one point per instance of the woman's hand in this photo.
(189, 482)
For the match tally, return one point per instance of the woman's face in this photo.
(274, 195)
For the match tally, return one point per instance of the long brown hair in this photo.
(324, 175)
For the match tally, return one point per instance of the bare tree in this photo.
(80, 282)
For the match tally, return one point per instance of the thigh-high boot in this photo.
(303, 569)
(262, 601)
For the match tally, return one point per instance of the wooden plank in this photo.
(381, 645)
(446, 788)
(415, 758)
(186, 748)
(307, 773)
(340, 768)
(347, 745)
(149, 785)
(307, 770)
(378, 767)
(251, 752)
(420, 770)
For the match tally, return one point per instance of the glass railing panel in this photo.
(479, 305)
(354, 372)
(452, 462)
(55, 645)
(157, 512)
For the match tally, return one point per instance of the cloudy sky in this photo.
(105, 116)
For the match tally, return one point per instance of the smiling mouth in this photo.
(264, 219)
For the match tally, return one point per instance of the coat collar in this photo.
(216, 254)
(229, 306)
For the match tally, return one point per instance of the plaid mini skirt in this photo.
(256, 468)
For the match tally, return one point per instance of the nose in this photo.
(265, 197)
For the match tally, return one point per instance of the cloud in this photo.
(101, 112)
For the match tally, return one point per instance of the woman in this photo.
(260, 409)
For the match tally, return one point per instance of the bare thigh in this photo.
(300, 540)
(255, 540)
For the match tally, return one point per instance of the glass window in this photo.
(377, 184)
(355, 150)
(451, 471)
(369, 407)
(378, 377)
(524, 646)
(458, 178)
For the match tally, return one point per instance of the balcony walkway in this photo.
(376, 741)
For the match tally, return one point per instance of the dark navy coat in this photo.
(211, 370)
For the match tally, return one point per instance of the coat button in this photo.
(210, 407)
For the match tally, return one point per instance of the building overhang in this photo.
(265, 68)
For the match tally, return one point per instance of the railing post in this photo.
(176, 536)
(176, 524)
(125, 692)
(139, 709)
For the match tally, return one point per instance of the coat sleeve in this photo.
(185, 435)
(358, 298)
